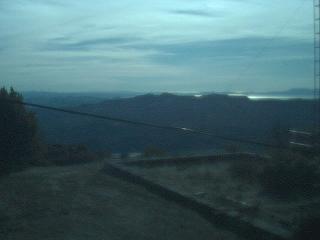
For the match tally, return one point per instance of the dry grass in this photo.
(230, 185)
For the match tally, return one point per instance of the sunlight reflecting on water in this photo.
(276, 97)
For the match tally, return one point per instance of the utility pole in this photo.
(303, 139)
(316, 83)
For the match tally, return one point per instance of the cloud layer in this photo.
(174, 45)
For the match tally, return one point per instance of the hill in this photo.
(69, 99)
(221, 114)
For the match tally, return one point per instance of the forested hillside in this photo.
(239, 117)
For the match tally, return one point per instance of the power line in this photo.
(146, 124)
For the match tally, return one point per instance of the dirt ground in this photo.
(81, 202)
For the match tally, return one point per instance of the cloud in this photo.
(196, 41)
(230, 49)
(63, 44)
(196, 13)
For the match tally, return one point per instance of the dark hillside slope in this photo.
(231, 116)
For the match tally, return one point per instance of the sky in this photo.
(158, 45)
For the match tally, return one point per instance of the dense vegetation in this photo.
(19, 140)
(291, 175)
(20, 144)
(285, 175)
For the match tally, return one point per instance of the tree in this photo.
(19, 141)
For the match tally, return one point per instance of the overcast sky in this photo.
(156, 45)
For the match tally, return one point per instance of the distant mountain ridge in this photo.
(73, 99)
(237, 117)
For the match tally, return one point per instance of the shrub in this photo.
(69, 154)
(290, 176)
(247, 170)
(232, 148)
(152, 151)
(309, 229)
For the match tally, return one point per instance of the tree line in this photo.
(20, 143)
